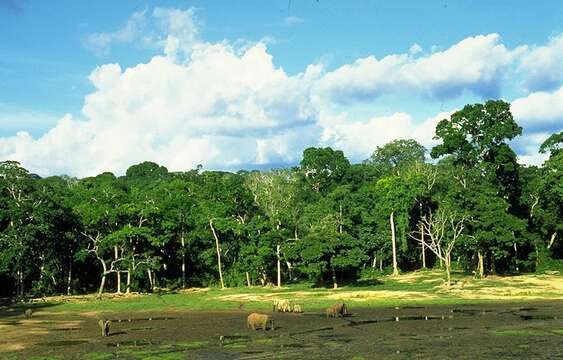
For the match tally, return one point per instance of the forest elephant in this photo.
(256, 321)
(336, 310)
(27, 313)
(282, 305)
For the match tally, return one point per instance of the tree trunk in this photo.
(117, 273)
(480, 264)
(183, 262)
(551, 240)
(19, 283)
(423, 246)
(279, 264)
(247, 279)
(381, 264)
(102, 284)
(151, 284)
(448, 263)
(69, 277)
(334, 283)
(289, 270)
(392, 223)
(218, 253)
(103, 281)
(374, 262)
(128, 286)
(516, 258)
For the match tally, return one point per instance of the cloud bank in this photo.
(230, 107)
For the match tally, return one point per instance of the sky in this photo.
(89, 87)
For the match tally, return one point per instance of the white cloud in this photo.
(475, 64)
(358, 139)
(293, 20)
(543, 65)
(173, 30)
(221, 108)
(415, 49)
(228, 107)
(100, 43)
(540, 111)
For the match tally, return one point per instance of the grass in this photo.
(528, 332)
(422, 288)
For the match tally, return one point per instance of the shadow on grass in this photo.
(11, 309)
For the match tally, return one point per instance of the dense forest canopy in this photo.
(326, 221)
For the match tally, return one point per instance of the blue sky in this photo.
(348, 74)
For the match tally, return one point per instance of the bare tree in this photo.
(94, 248)
(443, 230)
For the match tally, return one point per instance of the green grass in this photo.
(421, 288)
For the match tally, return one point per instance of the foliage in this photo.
(325, 221)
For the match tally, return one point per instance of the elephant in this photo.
(104, 325)
(27, 313)
(255, 321)
(336, 310)
(282, 306)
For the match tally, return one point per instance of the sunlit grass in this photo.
(421, 288)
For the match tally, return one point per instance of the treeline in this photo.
(326, 221)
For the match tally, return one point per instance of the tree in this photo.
(274, 193)
(476, 137)
(323, 167)
(326, 248)
(97, 207)
(397, 154)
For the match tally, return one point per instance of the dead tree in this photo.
(443, 231)
(94, 248)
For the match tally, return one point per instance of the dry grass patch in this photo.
(365, 295)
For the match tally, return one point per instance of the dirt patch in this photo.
(528, 330)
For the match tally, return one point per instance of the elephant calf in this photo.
(256, 321)
(336, 310)
(104, 325)
(27, 313)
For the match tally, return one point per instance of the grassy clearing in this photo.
(425, 287)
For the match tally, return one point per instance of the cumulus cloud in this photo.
(229, 107)
(173, 30)
(222, 108)
(542, 66)
(358, 139)
(540, 111)
(475, 64)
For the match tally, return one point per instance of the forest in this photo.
(464, 205)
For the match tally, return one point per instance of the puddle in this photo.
(293, 346)
(66, 329)
(399, 318)
(156, 318)
(134, 343)
(538, 317)
(64, 343)
(336, 338)
(144, 328)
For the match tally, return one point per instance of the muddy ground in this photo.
(530, 330)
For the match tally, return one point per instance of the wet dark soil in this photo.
(495, 331)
